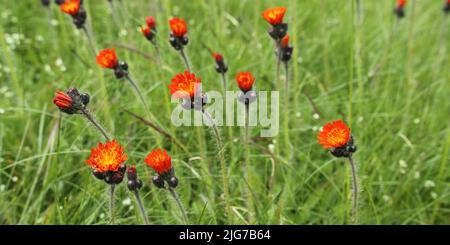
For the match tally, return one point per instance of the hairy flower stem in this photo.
(185, 59)
(286, 111)
(277, 81)
(222, 165)
(354, 211)
(180, 205)
(224, 83)
(141, 97)
(90, 40)
(90, 118)
(247, 162)
(141, 207)
(111, 203)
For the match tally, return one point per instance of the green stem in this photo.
(180, 205)
(90, 40)
(141, 207)
(222, 165)
(247, 162)
(185, 59)
(90, 118)
(111, 203)
(354, 212)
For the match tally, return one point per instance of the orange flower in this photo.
(71, 7)
(245, 81)
(333, 135)
(107, 157)
(184, 82)
(151, 23)
(159, 160)
(178, 27)
(107, 58)
(274, 15)
(285, 41)
(62, 100)
(401, 3)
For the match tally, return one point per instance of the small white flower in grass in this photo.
(14, 179)
(274, 141)
(417, 175)
(360, 119)
(123, 33)
(48, 68)
(6, 13)
(54, 22)
(386, 198)
(62, 68)
(402, 170)
(61, 207)
(235, 140)
(39, 38)
(2, 188)
(271, 148)
(315, 128)
(102, 216)
(434, 195)
(417, 121)
(316, 116)
(402, 163)
(126, 201)
(298, 114)
(59, 62)
(429, 184)
(2, 111)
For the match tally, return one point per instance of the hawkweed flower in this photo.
(177, 37)
(245, 81)
(74, 102)
(336, 137)
(187, 87)
(447, 7)
(107, 162)
(160, 161)
(275, 18)
(75, 9)
(134, 184)
(221, 67)
(399, 8)
(149, 31)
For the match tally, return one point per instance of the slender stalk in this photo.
(90, 118)
(224, 83)
(113, 13)
(111, 203)
(158, 54)
(141, 97)
(90, 40)
(286, 109)
(180, 204)
(222, 165)
(247, 162)
(185, 59)
(354, 212)
(141, 207)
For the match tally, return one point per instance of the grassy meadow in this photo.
(388, 79)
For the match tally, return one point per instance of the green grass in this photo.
(397, 113)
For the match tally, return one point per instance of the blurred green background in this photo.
(387, 79)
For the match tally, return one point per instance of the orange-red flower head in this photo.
(401, 3)
(71, 7)
(63, 101)
(217, 57)
(146, 31)
(151, 23)
(160, 161)
(107, 157)
(184, 85)
(178, 27)
(107, 58)
(334, 134)
(245, 81)
(274, 15)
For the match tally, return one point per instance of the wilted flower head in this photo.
(274, 15)
(286, 49)
(184, 85)
(72, 101)
(149, 30)
(178, 27)
(107, 157)
(133, 182)
(245, 81)
(399, 8)
(336, 137)
(107, 59)
(150, 21)
(221, 67)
